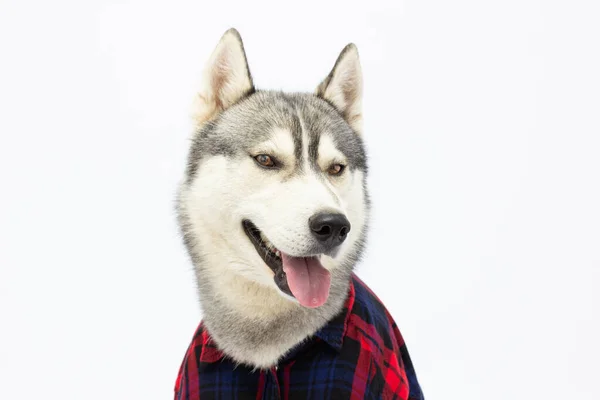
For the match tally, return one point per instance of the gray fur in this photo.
(250, 120)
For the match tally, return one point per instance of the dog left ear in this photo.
(343, 87)
(226, 79)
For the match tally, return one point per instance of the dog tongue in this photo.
(307, 279)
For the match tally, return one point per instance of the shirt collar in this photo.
(333, 333)
(209, 353)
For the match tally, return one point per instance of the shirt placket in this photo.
(272, 390)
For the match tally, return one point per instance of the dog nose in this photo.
(329, 229)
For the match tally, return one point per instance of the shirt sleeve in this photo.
(179, 393)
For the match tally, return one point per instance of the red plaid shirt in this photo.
(360, 354)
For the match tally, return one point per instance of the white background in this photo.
(483, 129)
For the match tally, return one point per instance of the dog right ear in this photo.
(225, 80)
(343, 87)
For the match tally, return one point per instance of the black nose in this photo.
(329, 229)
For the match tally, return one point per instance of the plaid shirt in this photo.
(360, 354)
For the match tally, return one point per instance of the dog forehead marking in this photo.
(280, 141)
(304, 143)
(328, 151)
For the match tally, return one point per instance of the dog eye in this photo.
(336, 169)
(265, 160)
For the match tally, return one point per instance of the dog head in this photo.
(275, 185)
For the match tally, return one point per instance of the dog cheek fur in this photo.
(214, 204)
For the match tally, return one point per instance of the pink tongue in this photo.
(307, 279)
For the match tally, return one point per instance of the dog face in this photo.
(275, 187)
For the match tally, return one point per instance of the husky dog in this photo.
(274, 206)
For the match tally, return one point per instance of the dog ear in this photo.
(343, 87)
(225, 80)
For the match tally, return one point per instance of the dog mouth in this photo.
(303, 278)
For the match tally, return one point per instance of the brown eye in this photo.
(265, 160)
(336, 169)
